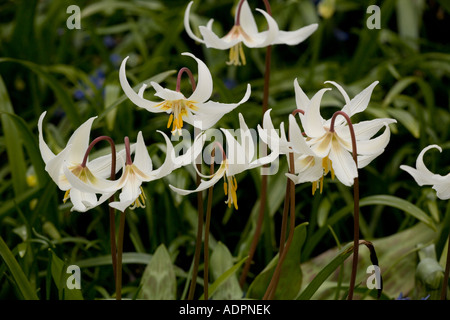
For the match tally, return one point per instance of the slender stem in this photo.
(262, 204)
(271, 289)
(285, 217)
(198, 241)
(355, 201)
(447, 268)
(119, 257)
(112, 223)
(207, 224)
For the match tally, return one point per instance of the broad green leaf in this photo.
(16, 158)
(61, 275)
(400, 204)
(386, 200)
(21, 279)
(127, 258)
(30, 142)
(291, 274)
(225, 276)
(221, 261)
(159, 281)
(323, 275)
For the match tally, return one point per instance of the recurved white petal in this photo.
(187, 25)
(341, 90)
(263, 39)
(312, 121)
(204, 184)
(170, 163)
(46, 153)
(301, 99)
(297, 141)
(204, 87)
(359, 102)
(247, 20)
(366, 147)
(142, 159)
(295, 37)
(80, 141)
(131, 94)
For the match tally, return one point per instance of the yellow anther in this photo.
(66, 196)
(170, 120)
(140, 200)
(237, 52)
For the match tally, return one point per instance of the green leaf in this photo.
(401, 204)
(30, 143)
(60, 276)
(290, 281)
(221, 261)
(224, 277)
(323, 275)
(16, 158)
(21, 279)
(159, 281)
(127, 258)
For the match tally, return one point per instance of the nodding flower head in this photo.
(195, 109)
(245, 32)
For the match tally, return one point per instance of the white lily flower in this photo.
(196, 110)
(331, 139)
(308, 167)
(245, 31)
(239, 157)
(71, 159)
(423, 176)
(140, 170)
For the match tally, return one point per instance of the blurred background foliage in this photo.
(73, 74)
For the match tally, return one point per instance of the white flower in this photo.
(238, 158)
(140, 170)
(245, 31)
(196, 110)
(423, 176)
(308, 167)
(70, 159)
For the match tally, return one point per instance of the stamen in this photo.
(170, 120)
(66, 196)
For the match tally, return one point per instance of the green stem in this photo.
(119, 257)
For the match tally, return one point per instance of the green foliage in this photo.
(73, 75)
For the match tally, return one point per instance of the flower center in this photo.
(230, 190)
(82, 173)
(179, 109)
(327, 167)
(237, 51)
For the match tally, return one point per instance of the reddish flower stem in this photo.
(112, 224)
(191, 78)
(355, 201)
(262, 204)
